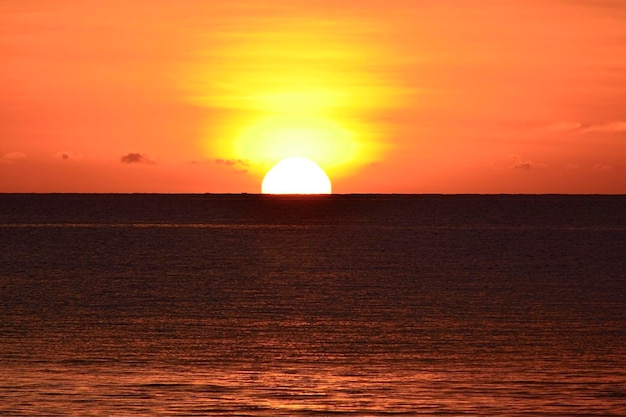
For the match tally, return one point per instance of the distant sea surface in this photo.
(356, 305)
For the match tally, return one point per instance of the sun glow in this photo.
(293, 87)
(276, 137)
(296, 176)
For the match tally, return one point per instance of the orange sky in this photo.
(432, 96)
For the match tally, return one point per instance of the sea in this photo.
(337, 305)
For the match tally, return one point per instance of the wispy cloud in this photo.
(136, 158)
(617, 126)
(238, 165)
(602, 167)
(524, 164)
(11, 157)
(611, 127)
(232, 162)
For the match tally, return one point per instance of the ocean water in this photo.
(357, 305)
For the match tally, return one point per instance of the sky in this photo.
(403, 96)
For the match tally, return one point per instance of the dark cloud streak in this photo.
(136, 158)
(232, 162)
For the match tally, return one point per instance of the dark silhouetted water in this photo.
(244, 305)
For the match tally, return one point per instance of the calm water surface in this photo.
(228, 305)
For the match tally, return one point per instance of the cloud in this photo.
(136, 158)
(238, 165)
(12, 157)
(65, 156)
(525, 165)
(611, 127)
(617, 126)
(232, 162)
(602, 167)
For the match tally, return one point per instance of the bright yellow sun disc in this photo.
(296, 176)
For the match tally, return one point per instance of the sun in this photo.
(296, 175)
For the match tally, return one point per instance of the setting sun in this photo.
(296, 176)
